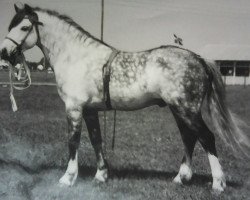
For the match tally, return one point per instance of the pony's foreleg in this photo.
(74, 117)
(93, 126)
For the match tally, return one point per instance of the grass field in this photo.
(147, 155)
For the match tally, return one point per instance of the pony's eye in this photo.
(25, 28)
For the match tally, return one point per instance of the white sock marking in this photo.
(219, 182)
(71, 173)
(185, 173)
(101, 175)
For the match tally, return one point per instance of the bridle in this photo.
(33, 23)
(27, 79)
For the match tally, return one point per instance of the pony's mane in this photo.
(68, 20)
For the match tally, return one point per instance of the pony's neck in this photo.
(60, 38)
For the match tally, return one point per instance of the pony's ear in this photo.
(18, 6)
(27, 8)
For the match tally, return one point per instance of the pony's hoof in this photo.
(219, 185)
(101, 175)
(177, 179)
(183, 178)
(184, 175)
(68, 179)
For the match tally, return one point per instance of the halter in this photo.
(27, 77)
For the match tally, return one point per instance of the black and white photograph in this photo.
(124, 99)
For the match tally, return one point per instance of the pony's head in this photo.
(23, 33)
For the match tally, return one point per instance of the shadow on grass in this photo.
(89, 171)
(201, 179)
(129, 173)
(197, 179)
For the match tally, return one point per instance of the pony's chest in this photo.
(77, 83)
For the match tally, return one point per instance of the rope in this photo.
(27, 77)
(26, 80)
(12, 98)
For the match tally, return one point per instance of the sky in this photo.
(135, 25)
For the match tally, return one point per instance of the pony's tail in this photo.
(225, 123)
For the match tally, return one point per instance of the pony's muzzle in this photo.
(10, 56)
(4, 54)
(8, 50)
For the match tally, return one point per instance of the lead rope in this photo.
(26, 68)
(12, 86)
(12, 98)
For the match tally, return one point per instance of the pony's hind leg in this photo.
(207, 140)
(192, 124)
(74, 118)
(93, 126)
(189, 140)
